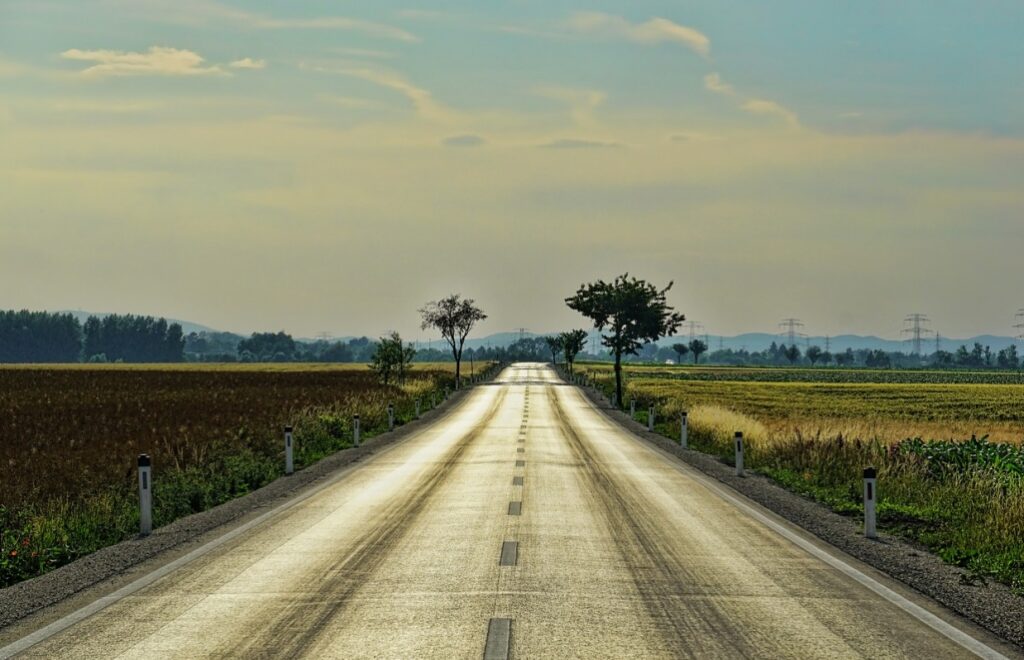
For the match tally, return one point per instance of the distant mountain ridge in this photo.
(751, 341)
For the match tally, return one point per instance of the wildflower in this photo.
(25, 543)
(14, 553)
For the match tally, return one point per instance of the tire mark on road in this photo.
(657, 571)
(297, 628)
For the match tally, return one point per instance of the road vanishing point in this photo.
(523, 522)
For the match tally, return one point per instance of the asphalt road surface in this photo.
(523, 523)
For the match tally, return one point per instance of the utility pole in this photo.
(791, 329)
(522, 333)
(915, 325)
(1019, 325)
(828, 344)
(693, 327)
(938, 342)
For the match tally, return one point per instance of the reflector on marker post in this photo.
(145, 495)
(289, 466)
(355, 429)
(683, 440)
(391, 417)
(870, 496)
(739, 454)
(650, 418)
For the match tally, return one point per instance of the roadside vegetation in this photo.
(70, 438)
(947, 445)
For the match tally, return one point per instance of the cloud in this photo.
(763, 107)
(157, 60)
(654, 31)
(582, 102)
(467, 140)
(755, 106)
(248, 63)
(713, 82)
(351, 102)
(575, 143)
(201, 12)
(421, 99)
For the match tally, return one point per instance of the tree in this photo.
(792, 353)
(633, 311)
(572, 343)
(1008, 358)
(454, 317)
(846, 358)
(554, 343)
(391, 357)
(814, 353)
(268, 346)
(826, 358)
(681, 350)
(697, 347)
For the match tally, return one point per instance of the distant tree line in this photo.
(52, 337)
(779, 354)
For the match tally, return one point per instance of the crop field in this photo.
(70, 437)
(947, 445)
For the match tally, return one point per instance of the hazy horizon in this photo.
(334, 166)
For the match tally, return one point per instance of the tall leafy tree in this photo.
(814, 353)
(630, 312)
(554, 344)
(572, 343)
(697, 348)
(792, 353)
(454, 317)
(680, 350)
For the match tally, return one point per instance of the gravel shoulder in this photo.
(991, 606)
(34, 603)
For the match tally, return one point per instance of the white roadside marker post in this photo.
(739, 454)
(632, 408)
(391, 417)
(650, 418)
(355, 429)
(870, 496)
(433, 400)
(289, 465)
(145, 495)
(683, 440)
(417, 408)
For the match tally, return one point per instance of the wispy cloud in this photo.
(468, 140)
(576, 143)
(248, 63)
(654, 31)
(582, 102)
(201, 12)
(713, 82)
(763, 107)
(158, 60)
(421, 99)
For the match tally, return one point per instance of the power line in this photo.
(915, 325)
(693, 327)
(791, 328)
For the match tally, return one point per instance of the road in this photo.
(523, 523)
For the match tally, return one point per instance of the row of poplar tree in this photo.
(59, 337)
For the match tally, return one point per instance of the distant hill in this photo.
(186, 326)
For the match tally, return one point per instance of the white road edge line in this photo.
(939, 625)
(104, 602)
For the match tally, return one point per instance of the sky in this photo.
(332, 166)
